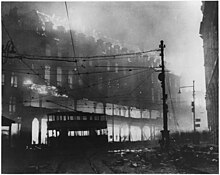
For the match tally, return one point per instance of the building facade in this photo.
(209, 34)
(40, 75)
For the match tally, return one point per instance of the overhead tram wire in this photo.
(45, 81)
(97, 83)
(132, 91)
(73, 46)
(89, 58)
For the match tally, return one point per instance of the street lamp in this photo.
(193, 103)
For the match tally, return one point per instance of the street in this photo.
(134, 159)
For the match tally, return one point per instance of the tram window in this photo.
(86, 133)
(96, 117)
(58, 133)
(71, 117)
(53, 118)
(58, 117)
(64, 118)
(67, 117)
(103, 118)
(78, 118)
(84, 118)
(91, 118)
(49, 118)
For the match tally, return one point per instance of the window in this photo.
(152, 78)
(48, 50)
(109, 83)
(12, 104)
(84, 118)
(14, 80)
(70, 79)
(117, 84)
(152, 94)
(96, 118)
(108, 66)
(116, 67)
(3, 79)
(47, 74)
(58, 117)
(100, 82)
(124, 70)
(59, 76)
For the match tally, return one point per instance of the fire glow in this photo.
(43, 89)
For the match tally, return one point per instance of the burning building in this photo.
(42, 73)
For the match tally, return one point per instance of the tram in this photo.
(69, 129)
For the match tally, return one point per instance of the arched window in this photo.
(70, 79)
(35, 131)
(47, 74)
(59, 76)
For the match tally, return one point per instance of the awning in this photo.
(6, 121)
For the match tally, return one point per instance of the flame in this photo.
(44, 89)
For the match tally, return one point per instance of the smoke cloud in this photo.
(139, 25)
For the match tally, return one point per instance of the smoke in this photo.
(137, 25)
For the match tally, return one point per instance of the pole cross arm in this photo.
(185, 86)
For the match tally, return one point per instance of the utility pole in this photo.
(193, 104)
(193, 108)
(165, 133)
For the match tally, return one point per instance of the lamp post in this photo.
(193, 103)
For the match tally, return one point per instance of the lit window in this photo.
(14, 80)
(47, 75)
(3, 79)
(59, 76)
(12, 104)
(70, 79)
